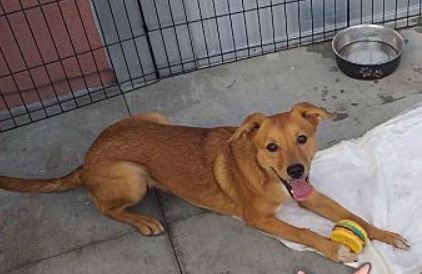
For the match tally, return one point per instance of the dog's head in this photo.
(285, 143)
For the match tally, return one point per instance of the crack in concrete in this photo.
(166, 225)
(30, 263)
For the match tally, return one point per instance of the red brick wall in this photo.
(56, 58)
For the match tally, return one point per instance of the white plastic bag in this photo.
(379, 178)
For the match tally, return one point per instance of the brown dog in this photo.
(249, 172)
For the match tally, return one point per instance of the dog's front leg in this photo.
(326, 207)
(278, 228)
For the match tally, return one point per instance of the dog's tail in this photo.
(72, 180)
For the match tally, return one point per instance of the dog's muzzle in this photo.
(299, 189)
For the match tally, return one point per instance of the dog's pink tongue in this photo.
(301, 189)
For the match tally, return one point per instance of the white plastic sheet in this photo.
(379, 178)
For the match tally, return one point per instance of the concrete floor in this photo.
(63, 233)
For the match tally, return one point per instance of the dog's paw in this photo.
(339, 253)
(150, 227)
(344, 254)
(394, 239)
(401, 243)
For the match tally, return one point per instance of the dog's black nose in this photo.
(295, 171)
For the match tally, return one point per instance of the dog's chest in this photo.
(279, 207)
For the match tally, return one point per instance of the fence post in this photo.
(146, 30)
(348, 13)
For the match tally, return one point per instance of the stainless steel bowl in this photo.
(368, 51)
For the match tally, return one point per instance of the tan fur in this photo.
(228, 170)
(67, 182)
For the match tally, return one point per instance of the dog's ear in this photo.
(249, 127)
(311, 113)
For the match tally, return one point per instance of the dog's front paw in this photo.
(339, 253)
(344, 254)
(149, 226)
(393, 239)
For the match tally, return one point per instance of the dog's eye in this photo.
(302, 139)
(272, 147)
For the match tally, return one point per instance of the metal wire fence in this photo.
(59, 55)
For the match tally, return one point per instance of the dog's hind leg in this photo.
(114, 187)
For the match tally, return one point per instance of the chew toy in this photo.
(349, 233)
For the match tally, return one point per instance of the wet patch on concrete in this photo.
(418, 29)
(333, 69)
(340, 116)
(324, 93)
(232, 84)
(389, 99)
(323, 48)
(418, 70)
